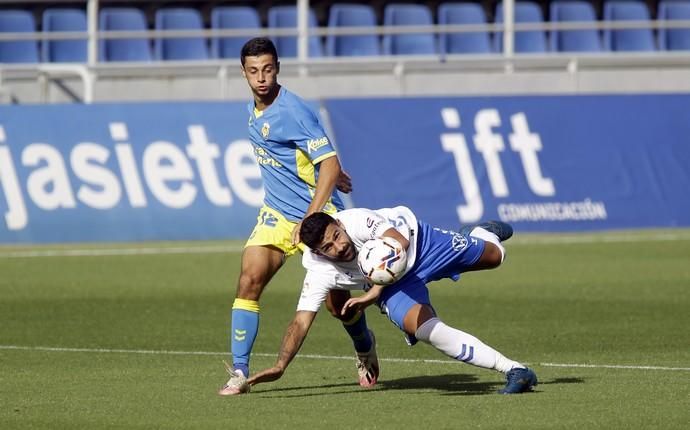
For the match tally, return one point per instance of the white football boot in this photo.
(237, 384)
(368, 365)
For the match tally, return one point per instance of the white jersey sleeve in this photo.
(314, 290)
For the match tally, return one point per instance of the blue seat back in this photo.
(628, 40)
(20, 51)
(187, 48)
(231, 17)
(463, 43)
(286, 17)
(67, 51)
(574, 40)
(408, 44)
(123, 19)
(674, 39)
(525, 41)
(352, 15)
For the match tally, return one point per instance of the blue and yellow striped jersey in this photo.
(289, 143)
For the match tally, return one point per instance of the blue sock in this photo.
(245, 326)
(359, 332)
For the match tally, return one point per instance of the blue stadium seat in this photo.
(232, 17)
(463, 43)
(352, 15)
(627, 40)
(674, 39)
(525, 41)
(188, 48)
(67, 51)
(286, 17)
(408, 44)
(123, 19)
(574, 40)
(19, 51)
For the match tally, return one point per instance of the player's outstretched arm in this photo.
(292, 341)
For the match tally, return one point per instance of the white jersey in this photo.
(361, 225)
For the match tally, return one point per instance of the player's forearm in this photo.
(373, 294)
(329, 171)
(294, 337)
(395, 234)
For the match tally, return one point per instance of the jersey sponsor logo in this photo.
(265, 130)
(313, 145)
(370, 222)
(263, 158)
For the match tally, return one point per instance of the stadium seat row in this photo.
(343, 15)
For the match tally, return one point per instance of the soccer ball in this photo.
(382, 260)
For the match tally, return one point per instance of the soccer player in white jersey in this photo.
(300, 171)
(432, 254)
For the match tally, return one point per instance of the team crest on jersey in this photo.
(459, 242)
(265, 129)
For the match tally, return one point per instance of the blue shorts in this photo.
(440, 254)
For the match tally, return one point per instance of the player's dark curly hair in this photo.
(314, 227)
(258, 46)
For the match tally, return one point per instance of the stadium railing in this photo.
(507, 61)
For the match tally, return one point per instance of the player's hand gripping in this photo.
(267, 375)
(361, 302)
(344, 182)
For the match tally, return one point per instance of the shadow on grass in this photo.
(456, 384)
(449, 384)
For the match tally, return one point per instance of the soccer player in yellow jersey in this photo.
(300, 171)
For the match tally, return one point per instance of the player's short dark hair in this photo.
(314, 228)
(258, 46)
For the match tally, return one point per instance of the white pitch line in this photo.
(612, 366)
(312, 356)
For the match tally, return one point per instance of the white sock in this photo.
(463, 346)
(487, 236)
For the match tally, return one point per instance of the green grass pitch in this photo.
(132, 336)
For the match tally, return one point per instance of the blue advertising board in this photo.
(120, 172)
(186, 171)
(544, 163)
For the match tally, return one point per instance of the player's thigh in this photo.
(259, 264)
(400, 298)
(417, 315)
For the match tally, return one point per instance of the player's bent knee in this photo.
(335, 301)
(250, 286)
(492, 256)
